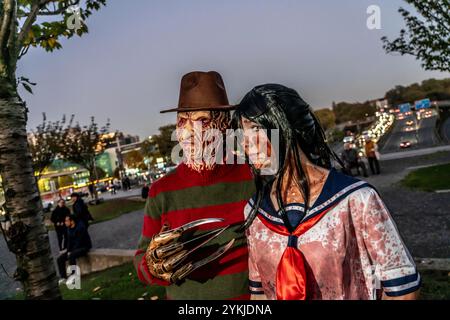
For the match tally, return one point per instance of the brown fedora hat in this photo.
(202, 91)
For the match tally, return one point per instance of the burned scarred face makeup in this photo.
(200, 134)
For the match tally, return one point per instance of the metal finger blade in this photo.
(211, 233)
(219, 252)
(187, 269)
(215, 234)
(199, 222)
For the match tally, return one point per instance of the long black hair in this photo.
(273, 106)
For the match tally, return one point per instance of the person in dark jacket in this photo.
(91, 188)
(58, 218)
(80, 210)
(78, 244)
(126, 183)
(144, 192)
(351, 160)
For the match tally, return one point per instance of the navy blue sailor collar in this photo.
(336, 188)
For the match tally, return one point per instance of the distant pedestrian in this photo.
(80, 210)
(144, 192)
(78, 244)
(126, 183)
(371, 154)
(352, 160)
(112, 187)
(116, 183)
(58, 218)
(91, 189)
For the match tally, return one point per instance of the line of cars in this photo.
(411, 125)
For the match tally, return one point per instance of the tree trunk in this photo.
(35, 265)
(93, 178)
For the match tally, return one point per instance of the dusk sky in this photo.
(129, 66)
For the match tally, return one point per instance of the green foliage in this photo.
(335, 135)
(37, 23)
(161, 144)
(427, 36)
(134, 159)
(326, 118)
(431, 88)
(345, 111)
(48, 34)
(26, 83)
(82, 144)
(45, 143)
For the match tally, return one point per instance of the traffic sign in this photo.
(423, 104)
(405, 107)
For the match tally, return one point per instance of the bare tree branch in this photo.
(28, 22)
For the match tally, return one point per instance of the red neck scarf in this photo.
(291, 272)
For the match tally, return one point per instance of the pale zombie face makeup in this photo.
(256, 144)
(199, 134)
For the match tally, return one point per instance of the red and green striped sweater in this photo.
(184, 195)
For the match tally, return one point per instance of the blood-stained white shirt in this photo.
(354, 249)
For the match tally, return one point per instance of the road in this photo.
(414, 153)
(423, 137)
(445, 130)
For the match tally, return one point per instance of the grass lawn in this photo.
(121, 283)
(113, 208)
(118, 283)
(429, 179)
(435, 285)
(108, 210)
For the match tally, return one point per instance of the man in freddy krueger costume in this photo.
(193, 215)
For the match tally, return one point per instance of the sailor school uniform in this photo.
(346, 246)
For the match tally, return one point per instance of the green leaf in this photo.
(27, 87)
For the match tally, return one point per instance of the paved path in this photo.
(121, 194)
(423, 218)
